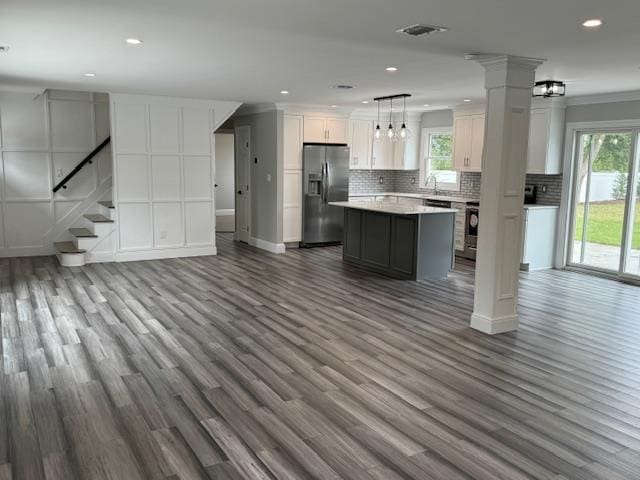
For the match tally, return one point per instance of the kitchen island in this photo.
(411, 242)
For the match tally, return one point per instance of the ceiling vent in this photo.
(4, 48)
(343, 87)
(421, 29)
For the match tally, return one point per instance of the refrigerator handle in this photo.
(325, 183)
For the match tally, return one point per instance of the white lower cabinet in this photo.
(410, 201)
(539, 225)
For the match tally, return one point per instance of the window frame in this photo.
(425, 147)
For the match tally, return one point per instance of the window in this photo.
(437, 160)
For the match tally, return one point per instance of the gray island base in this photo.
(410, 242)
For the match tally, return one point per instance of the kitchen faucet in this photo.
(435, 182)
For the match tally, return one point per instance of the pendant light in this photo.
(404, 131)
(378, 133)
(391, 133)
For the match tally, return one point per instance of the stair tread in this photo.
(82, 233)
(107, 203)
(97, 218)
(67, 247)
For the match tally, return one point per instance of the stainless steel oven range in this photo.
(471, 230)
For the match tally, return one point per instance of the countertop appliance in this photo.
(530, 194)
(472, 220)
(325, 178)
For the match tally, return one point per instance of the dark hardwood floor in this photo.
(254, 366)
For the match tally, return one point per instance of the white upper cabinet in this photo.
(361, 142)
(315, 129)
(337, 129)
(468, 142)
(382, 155)
(325, 130)
(406, 152)
(546, 137)
(293, 142)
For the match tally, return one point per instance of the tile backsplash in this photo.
(407, 181)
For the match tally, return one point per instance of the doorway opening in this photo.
(225, 198)
(605, 206)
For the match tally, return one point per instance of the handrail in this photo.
(78, 167)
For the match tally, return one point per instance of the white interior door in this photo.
(243, 180)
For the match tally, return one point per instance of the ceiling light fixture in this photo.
(89, 74)
(421, 29)
(334, 106)
(592, 23)
(391, 69)
(404, 131)
(392, 135)
(284, 92)
(466, 100)
(133, 41)
(549, 88)
(426, 105)
(365, 101)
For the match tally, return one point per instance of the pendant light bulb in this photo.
(391, 133)
(403, 132)
(378, 134)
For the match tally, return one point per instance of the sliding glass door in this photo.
(604, 212)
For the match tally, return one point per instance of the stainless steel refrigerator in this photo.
(325, 178)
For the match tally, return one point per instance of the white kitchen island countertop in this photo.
(394, 208)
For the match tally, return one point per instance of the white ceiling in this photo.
(249, 50)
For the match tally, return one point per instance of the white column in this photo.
(508, 81)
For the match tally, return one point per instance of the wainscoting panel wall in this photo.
(43, 137)
(164, 151)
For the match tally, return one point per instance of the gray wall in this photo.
(600, 112)
(225, 161)
(266, 195)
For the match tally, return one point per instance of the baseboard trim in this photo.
(277, 248)
(494, 326)
(158, 254)
(225, 212)
(9, 252)
(100, 257)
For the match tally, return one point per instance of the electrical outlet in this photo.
(268, 177)
(544, 189)
(381, 180)
(413, 180)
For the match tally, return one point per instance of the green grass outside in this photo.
(605, 223)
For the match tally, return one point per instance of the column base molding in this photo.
(494, 326)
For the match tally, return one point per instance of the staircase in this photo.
(95, 229)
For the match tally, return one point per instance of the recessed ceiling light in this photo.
(466, 100)
(426, 105)
(592, 23)
(365, 101)
(391, 69)
(133, 41)
(334, 106)
(284, 92)
(89, 74)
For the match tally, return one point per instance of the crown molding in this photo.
(614, 97)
